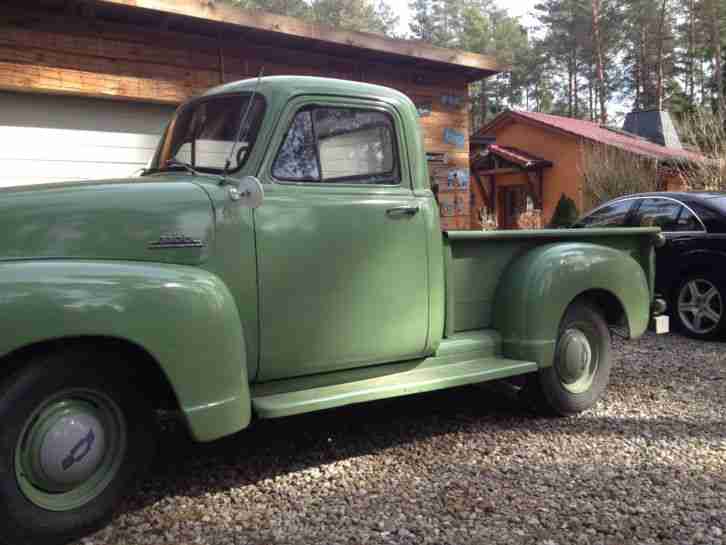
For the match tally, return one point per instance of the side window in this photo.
(669, 215)
(610, 215)
(339, 145)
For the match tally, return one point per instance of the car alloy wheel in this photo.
(700, 306)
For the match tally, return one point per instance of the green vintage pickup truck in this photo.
(281, 255)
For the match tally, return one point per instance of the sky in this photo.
(515, 7)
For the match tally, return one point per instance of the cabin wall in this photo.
(77, 56)
(565, 175)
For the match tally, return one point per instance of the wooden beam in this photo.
(482, 65)
(535, 188)
(66, 45)
(502, 170)
(493, 195)
(29, 78)
(482, 189)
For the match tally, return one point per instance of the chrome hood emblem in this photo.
(175, 240)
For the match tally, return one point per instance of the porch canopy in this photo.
(496, 160)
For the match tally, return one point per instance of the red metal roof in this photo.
(596, 133)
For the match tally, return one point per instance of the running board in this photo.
(306, 394)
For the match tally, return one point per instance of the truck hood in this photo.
(168, 221)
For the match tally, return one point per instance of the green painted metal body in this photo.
(184, 317)
(316, 291)
(532, 276)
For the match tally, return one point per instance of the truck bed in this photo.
(477, 261)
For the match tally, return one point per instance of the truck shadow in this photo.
(274, 448)
(270, 448)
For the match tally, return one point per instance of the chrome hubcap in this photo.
(700, 306)
(575, 365)
(70, 450)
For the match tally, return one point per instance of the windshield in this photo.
(203, 133)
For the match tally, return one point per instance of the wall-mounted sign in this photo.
(453, 102)
(424, 109)
(458, 178)
(433, 157)
(455, 138)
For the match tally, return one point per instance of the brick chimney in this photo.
(654, 125)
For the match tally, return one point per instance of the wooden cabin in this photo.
(86, 87)
(523, 162)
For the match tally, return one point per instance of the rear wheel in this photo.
(72, 441)
(581, 369)
(698, 306)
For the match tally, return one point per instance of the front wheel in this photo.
(75, 434)
(581, 368)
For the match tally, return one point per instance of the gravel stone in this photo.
(646, 466)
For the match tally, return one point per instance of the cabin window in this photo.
(339, 145)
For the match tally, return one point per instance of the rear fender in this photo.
(538, 286)
(183, 317)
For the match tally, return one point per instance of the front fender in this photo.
(182, 316)
(537, 288)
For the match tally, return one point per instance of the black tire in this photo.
(44, 378)
(686, 321)
(549, 387)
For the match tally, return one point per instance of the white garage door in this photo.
(46, 139)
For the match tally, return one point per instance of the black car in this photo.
(691, 267)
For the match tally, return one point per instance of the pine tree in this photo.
(291, 8)
(422, 22)
(362, 15)
(565, 213)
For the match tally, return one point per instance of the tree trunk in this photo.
(484, 102)
(691, 54)
(714, 13)
(636, 76)
(569, 87)
(598, 58)
(591, 102)
(575, 92)
(659, 61)
(644, 72)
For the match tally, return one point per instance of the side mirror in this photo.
(248, 191)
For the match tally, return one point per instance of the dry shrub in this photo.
(705, 130)
(609, 172)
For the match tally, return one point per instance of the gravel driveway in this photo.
(647, 465)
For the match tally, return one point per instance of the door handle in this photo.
(403, 211)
